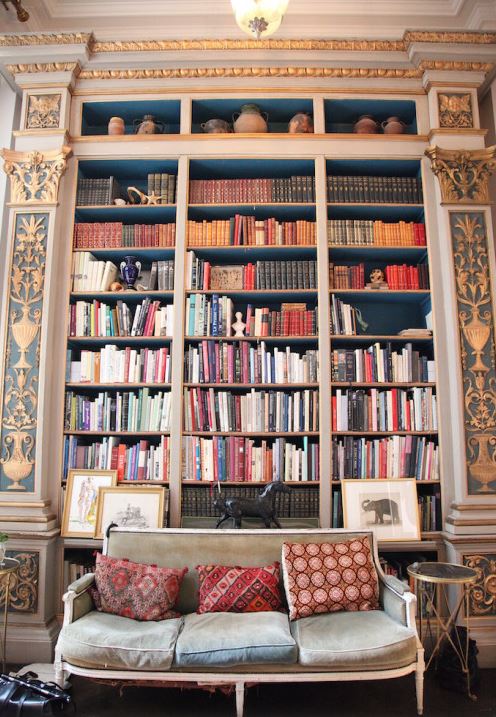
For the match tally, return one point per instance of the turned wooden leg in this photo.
(419, 687)
(240, 698)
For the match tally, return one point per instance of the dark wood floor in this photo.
(338, 699)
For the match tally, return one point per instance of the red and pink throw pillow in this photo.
(327, 577)
(135, 590)
(226, 588)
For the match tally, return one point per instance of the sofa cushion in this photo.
(101, 640)
(226, 588)
(136, 590)
(353, 641)
(327, 577)
(228, 639)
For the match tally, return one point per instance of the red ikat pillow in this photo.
(226, 588)
(327, 577)
(141, 592)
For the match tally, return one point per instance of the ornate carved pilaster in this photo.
(35, 176)
(463, 174)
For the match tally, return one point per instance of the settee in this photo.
(236, 650)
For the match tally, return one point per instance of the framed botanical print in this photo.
(129, 507)
(81, 497)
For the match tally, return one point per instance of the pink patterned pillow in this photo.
(327, 577)
(226, 588)
(135, 590)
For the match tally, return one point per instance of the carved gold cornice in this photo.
(36, 67)
(458, 65)
(472, 38)
(52, 38)
(206, 44)
(206, 72)
(35, 176)
(463, 174)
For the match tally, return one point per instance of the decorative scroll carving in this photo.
(43, 111)
(476, 325)
(35, 176)
(24, 583)
(483, 594)
(19, 409)
(206, 72)
(463, 174)
(455, 109)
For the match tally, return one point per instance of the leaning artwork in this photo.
(81, 497)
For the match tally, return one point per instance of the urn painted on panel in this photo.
(130, 270)
(250, 119)
(301, 123)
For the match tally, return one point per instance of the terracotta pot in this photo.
(216, 126)
(393, 125)
(366, 124)
(301, 123)
(116, 125)
(250, 119)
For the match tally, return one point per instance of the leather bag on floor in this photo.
(26, 696)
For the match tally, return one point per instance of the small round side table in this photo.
(8, 567)
(433, 580)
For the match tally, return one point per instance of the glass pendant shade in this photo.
(259, 18)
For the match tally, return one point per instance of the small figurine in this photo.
(238, 326)
(377, 280)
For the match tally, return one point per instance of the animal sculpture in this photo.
(263, 506)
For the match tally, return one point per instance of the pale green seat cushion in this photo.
(368, 640)
(110, 641)
(227, 639)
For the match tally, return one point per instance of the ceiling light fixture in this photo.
(22, 14)
(259, 18)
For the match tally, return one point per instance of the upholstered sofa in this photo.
(230, 649)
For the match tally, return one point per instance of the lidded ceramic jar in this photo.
(366, 124)
(116, 125)
(393, 125)
(250, 119)
(301, 123)
(148, 125)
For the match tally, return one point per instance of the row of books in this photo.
(213, 316)
(344, 318)
(247, 230)
(75, 569)
(376, 190)
(398, 277)
(91, 274)
(163, 185)
(394, 409)
(430, 512)
(301, 502)
(98, 191)
(219, 362)
(160, 276)
(367, 232)
(256, 411)
(94, 318)
(111, 454)
(114, 365)
(110, 235)
(204, 275)
(122, 411)
(388, 457)
(235, 458)
(277, 190)
(379, 364)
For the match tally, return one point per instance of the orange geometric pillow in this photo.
(327, 577)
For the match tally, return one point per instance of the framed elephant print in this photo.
(388, 507)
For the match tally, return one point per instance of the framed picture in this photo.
(129, 507)
(81, 498)
(389, 507)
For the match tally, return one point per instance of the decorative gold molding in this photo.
(456, 65)
(24, 587)
(463, 174)
(52, 38)
(483, 594)
(471, 38)
(35, 176)
(473, 507)
(216, 72)
(455, 109)
(246, 44)
(36, 67)
(43, 111)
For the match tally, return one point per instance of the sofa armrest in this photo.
(77, 599)
(397, 600)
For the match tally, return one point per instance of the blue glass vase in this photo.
(130, 270)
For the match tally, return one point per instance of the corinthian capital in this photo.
(35, 176)
(463, 174)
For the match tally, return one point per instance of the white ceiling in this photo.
(189, 19)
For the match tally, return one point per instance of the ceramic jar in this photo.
(216, 126)
(148, 125)
(130, 270)
(301, 123)
(366, 124)
(250, 119)
(393, 125)
(116, 125)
